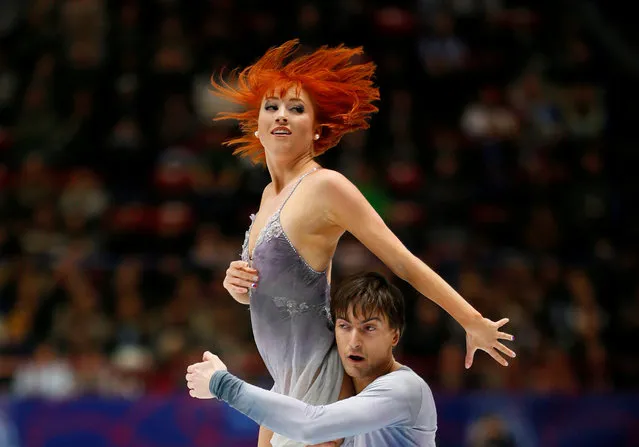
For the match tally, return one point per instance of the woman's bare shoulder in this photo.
(329, 178)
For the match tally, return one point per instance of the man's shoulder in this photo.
(412, 398)
(403, 381)
(405, 373)
(412, 380)
(418, 395)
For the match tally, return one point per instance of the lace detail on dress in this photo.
(244, 255)
(294, 308)
(271, 229)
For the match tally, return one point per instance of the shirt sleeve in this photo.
(386, 402)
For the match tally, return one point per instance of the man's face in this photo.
(365, 343)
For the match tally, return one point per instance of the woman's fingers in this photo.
(505, 350)
(241, 274)
(498, 358)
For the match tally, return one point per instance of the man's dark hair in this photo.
(369, 294)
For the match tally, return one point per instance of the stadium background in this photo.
(503, 155)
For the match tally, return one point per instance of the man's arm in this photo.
(383, 404)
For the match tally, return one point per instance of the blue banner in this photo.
(180, 421)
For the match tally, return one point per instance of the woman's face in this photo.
(286, 124)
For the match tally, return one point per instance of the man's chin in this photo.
(354, 371)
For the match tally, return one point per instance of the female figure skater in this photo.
(295, 110)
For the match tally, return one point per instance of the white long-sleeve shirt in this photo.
(396, 409)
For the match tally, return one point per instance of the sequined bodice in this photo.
(289, 306)
(273, 230)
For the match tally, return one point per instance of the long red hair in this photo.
(342, 92)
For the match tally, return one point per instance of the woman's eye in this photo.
(271, 107)
(298, 109)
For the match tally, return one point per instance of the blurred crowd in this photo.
(491, 159)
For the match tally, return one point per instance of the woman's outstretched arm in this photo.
(349, 210)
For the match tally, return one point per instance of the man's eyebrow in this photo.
(372, 319)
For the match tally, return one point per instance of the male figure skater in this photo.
(393, 406)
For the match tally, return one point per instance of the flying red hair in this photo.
(342, 93)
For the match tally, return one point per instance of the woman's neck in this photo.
(283, 173)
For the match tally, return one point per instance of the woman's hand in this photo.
(239, 279)
(484, 334)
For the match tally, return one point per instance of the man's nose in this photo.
(355, 342)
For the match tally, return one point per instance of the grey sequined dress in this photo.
(290, 319)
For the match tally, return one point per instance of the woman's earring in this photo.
(316, 136)
(257, 135)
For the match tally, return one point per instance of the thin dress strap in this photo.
(274, 219)
(295, 187)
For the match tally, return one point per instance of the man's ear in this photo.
(395, 337)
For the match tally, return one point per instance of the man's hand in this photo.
(198, 375)
(328, 444)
